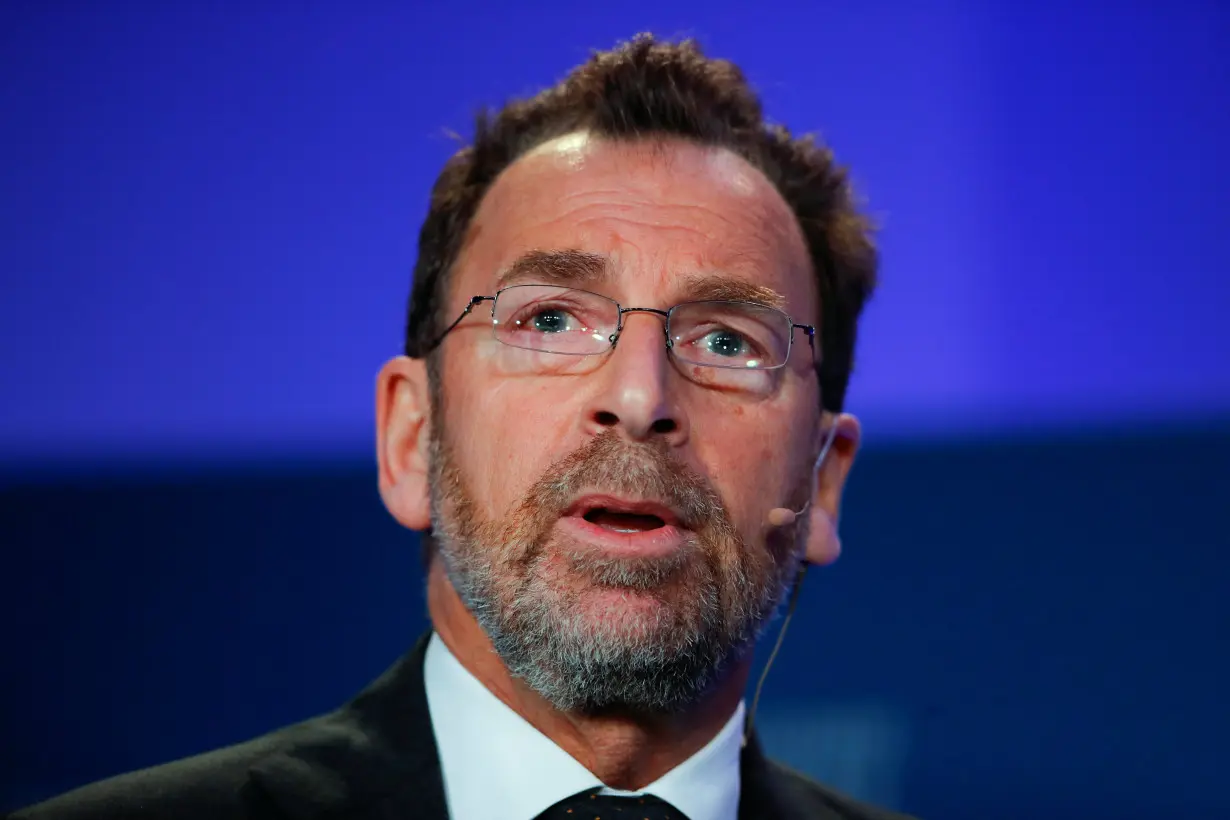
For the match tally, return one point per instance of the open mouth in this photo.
(623, 522)
(625, 516)
(639, 527)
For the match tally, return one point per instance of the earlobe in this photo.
(823, 541)
(403, 432)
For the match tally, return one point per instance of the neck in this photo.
(623, 752)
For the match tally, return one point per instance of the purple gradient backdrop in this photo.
(208, 212)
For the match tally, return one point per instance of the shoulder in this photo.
(812, 799)
(213, 784)
(328, 764)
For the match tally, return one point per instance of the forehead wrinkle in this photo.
(649, 210)
(751, 256)
(610, 225)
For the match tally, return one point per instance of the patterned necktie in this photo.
(589, 805)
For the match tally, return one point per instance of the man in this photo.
(629, 339)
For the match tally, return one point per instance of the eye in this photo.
(724, 343)
(550, 320)
(547, 319)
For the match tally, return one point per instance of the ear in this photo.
(403, 435)
(823, 541)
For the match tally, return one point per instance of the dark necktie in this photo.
(589, 805)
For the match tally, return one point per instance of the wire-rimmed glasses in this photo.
(728, 335)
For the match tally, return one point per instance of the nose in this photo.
(637, 396)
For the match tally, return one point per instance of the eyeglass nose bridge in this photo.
(619, 328)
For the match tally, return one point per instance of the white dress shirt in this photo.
(496, 765)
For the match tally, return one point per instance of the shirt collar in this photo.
(495, 764)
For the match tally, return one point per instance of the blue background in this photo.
(207, 220)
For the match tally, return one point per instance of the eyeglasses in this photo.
(730, 335)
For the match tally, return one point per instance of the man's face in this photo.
(604, 517)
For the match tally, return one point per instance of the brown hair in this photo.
(642, 89)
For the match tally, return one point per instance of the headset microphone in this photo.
(783, 517)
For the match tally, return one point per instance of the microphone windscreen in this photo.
(781, 517)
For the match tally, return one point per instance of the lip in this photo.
(614, 503)
(654, 543)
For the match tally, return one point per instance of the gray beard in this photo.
(647, 665)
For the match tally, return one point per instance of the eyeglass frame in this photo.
(613, 339)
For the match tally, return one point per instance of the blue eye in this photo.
(550, 321)
(725, 343)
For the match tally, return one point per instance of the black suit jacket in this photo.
(373, 759)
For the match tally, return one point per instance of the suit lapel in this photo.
(374, 759)
(767, 792)
(758, 800)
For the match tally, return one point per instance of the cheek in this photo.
(511, 433)
(754, 455)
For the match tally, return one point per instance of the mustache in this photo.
(609, 463)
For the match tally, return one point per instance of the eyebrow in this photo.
(572, 268)
(575, 268)
(715, 287)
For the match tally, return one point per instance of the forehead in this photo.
(662, 212)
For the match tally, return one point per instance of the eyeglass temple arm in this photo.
(474, 302)
(811, 335)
